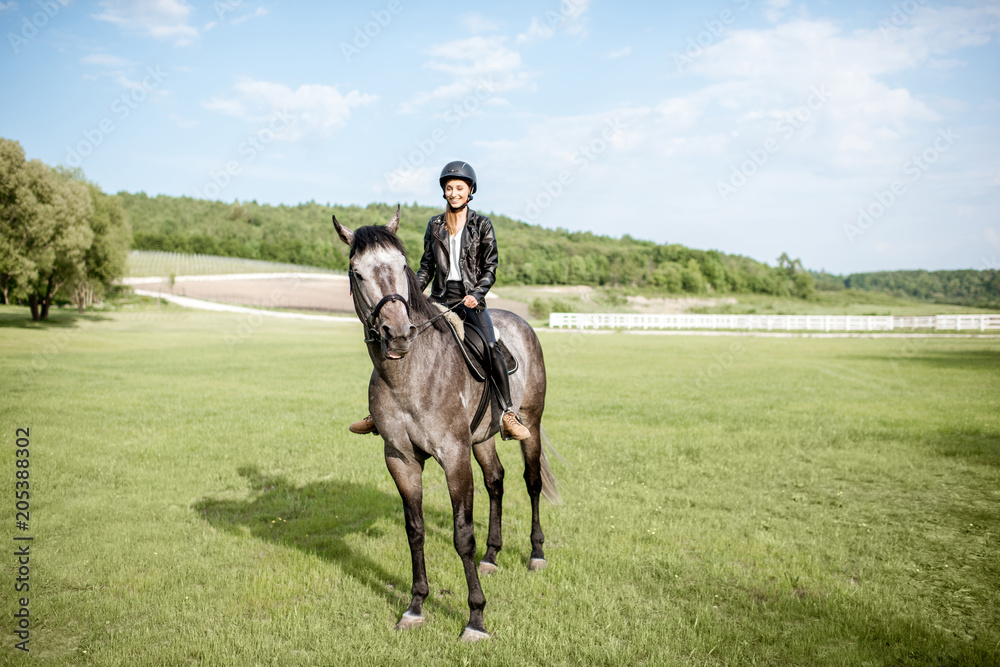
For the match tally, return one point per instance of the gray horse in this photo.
(423, 399)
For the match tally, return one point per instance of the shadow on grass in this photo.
(829, 625)
(14, 318)
(910, 355)
(960, 360)
(317, 518)
(974, 443)
(874, 616)
(979, 444)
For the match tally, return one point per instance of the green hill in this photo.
(529, 254)
(963, 287)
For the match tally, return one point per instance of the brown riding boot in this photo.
(365, 426)
(513, 428)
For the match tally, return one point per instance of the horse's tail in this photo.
(550, 486)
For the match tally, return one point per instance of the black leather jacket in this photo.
(478, 261)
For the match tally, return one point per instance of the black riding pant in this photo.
(455, 292)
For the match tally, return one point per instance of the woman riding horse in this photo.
(460, 253)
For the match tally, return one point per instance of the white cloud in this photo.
(121, 70)
(683, 111)
(317, 108)
(773, 9)
(569, 17)
(620, 53)
(257, 13)
(148, 85)
(229, 107)
(536, 32)
(757, 81)
(829, 100)
(182, 122)
(106, 60)
(572, 13)
(9, 6)
(408, 182)
(160, 19)
(477, 23)
(480, 66)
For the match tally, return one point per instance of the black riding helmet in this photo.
(462, 170)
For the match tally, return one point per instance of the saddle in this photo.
(472, 343)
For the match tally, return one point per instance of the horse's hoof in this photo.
(537, 564)
(471, 635)
(409, 622)
(486, 568)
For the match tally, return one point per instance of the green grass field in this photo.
(196, 499)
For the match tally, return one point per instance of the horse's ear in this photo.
(345, 234)
(393, 225)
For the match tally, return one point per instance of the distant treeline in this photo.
(962, 287)
(529, 254)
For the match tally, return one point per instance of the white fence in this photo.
(776, 322)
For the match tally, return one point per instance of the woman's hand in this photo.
(469, 301)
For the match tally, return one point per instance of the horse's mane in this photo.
(377, 236)
(422, 304)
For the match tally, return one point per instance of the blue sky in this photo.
(857, 136)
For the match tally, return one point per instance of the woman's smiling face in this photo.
(456, 191)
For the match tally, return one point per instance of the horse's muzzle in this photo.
(397, 347)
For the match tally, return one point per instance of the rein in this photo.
(372, 334)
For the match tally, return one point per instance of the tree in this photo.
(44, 230)
(64, 242)
(20, 212)
(802, 280)
(691, 277)
(104, 261)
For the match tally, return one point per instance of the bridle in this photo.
(371, 330)
(361, 304)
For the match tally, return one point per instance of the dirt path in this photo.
(327, 293)
(200, 304)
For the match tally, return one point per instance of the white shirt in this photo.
(455, 252)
